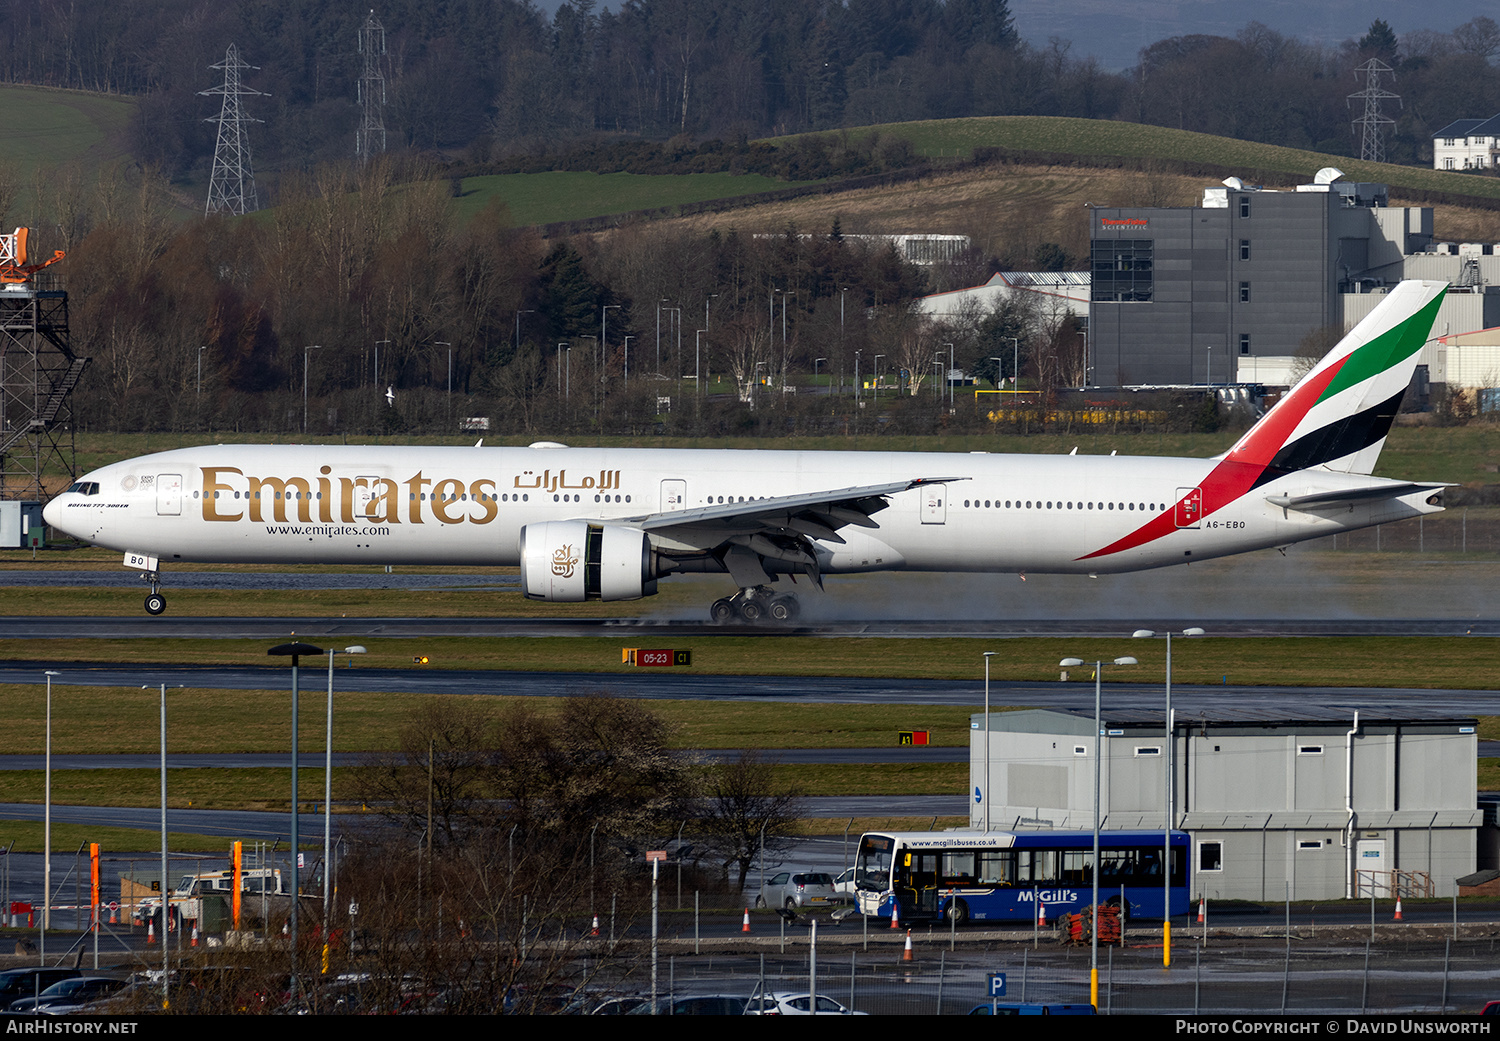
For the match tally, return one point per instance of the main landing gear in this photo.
(755, 605)
(155, 602)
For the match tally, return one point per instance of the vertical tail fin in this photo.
(1338, 416)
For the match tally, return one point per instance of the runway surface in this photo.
(33, 627)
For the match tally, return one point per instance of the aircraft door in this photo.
(1189, 508)
(934, 504)
(673, 495)
(168, 495)
(364, 495)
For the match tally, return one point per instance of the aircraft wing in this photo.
(816, 515)
(1318, 502)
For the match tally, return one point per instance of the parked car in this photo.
(783, 1003)
(68, 995)
(16, 984)
(701, 1005)
(843, 885)
(797, 889)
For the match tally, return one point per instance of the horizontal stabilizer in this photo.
(1318, 502)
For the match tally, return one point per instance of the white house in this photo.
(1467, 144)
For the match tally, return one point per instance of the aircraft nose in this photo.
(52, 513)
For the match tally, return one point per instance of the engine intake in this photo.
(572, 561)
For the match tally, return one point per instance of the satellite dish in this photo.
(1328, 175)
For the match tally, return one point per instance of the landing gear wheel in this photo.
(783, 609)
(722, 611)
(752, 611)
(156, 603)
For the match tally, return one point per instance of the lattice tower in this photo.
(1373, 122)
(231, 187)
(369, 139)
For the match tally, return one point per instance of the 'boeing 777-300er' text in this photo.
(606, 523)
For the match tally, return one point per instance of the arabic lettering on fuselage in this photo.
(548, 482)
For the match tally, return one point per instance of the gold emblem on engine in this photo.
(564, 560)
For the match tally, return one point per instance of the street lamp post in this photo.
(626, 377)
(47, 830)
(1166, 802)
(949, 380)
(377, 356)
(306, 352)
(1094, 868)
(984, 796)
(877, 378)
(295, 651)
(328, 803)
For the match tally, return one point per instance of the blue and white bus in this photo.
(1003, 875)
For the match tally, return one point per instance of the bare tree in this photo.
(745, 805)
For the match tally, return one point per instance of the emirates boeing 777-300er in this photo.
(608, 523)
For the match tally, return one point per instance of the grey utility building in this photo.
(1182, 294)
(1335, 806)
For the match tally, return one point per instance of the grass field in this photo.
(543, 198)
(46, 127)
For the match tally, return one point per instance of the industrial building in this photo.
(1315, 805)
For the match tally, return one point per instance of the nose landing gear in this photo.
(155, 602)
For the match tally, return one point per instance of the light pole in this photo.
(626, 377)
(659, 310)
(949, 381)
(984, 796)
(295, 651)
(166, 904)
(200, 369)
(1094, 868)
(47, 830)
(877, 377)
(816, 362)
(698, 360)
(1166, 801)
(604, 328)
(328, 802)
(377, 355)
(1015, 363)
(306, 352)
(856, 378)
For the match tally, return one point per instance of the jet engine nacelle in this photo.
(571, 561)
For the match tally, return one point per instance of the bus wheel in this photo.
(957, 912)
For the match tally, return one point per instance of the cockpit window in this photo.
(85, 487)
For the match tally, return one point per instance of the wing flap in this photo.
(827, 511)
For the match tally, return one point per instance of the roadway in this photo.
(1218, 701)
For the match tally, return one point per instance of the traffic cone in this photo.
(114, 914)
(745, 927)
(1201, 902)
(895, 914)
(1398, 909)
(194, 941)
(595, 930)
(1041, 913)
(906, 954)
(150, 932)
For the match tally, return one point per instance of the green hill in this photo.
(43, 127)
(1110, 141)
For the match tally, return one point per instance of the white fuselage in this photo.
(378, 504)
